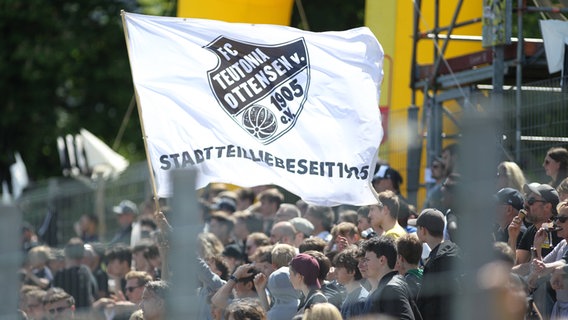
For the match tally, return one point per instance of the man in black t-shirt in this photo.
(540, 202)
(76, 279)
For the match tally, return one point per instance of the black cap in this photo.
(433, 220)
(510, 196)
(546, 191)
(386, 172)
(224, 204)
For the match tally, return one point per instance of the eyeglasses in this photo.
(532, 201)
(57, 310)
(561, 219)
(130, 289)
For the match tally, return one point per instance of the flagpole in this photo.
(144, 136)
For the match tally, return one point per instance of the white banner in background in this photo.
(259, 104)
(554, 35)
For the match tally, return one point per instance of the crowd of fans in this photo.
(259, 257)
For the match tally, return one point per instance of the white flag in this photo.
(259, 104)
(100, 157)
(6, 196)
(19, 174)
(555, 35)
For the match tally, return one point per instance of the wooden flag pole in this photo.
(144, 136)
(159, 217)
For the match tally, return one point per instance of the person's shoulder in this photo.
(318, 296)
(531, 229)
(448, 248)
(413, 275)
(397, 281)
(395, 232)
(360, 293)
(280, 272)
(65, 272)
(314, 297)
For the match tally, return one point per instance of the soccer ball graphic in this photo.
(259, 121)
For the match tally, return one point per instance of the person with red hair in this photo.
(304, 271)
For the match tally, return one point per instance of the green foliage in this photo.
(64, 66)
(330, 15)
(158, 7)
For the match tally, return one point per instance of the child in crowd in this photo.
(409, 251)
(347, 274)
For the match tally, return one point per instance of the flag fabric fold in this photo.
(259, 104)
(555, 37)
(100, 158)
(19, 173)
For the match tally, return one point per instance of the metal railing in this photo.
(66, 199)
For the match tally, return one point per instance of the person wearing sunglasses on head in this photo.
(540, 205)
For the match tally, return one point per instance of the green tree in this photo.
(64, 66)
(330, 15)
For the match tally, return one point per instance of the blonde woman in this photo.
(563, 190)
(209, 245)
(324, 310)
(510, 175)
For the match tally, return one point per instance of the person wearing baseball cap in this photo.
(540, 203)
(304, 271)
(126, 212)
(508, 202)
(386, 178)
(304, 229)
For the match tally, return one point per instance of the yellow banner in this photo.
(247, 11)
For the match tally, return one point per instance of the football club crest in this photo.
(261, 87)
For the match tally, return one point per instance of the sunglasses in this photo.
(130, 289)
(561, 219)
(532, 201)
(58, 310)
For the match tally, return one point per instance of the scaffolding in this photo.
(495, 76)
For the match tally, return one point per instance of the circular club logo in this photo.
(262, 87)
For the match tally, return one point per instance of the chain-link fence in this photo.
(52, 207)
(543, 124)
